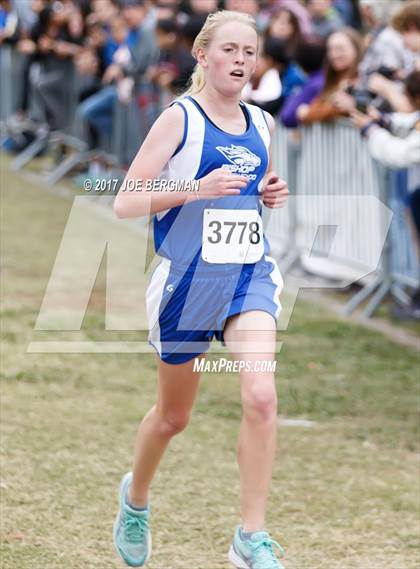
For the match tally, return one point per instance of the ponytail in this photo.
(197, 81)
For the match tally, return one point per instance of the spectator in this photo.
(129, 49)
(390, 57)
(8, 23)
(141, 40)
(310, 55)
(385, 46)
(175, 65)
(325, 18)
(394, 141)
(275, 78)
(190, 29)
(97, 110)
(298, 9)
(407, 22)
(344, 51)
(165, 9)
(102, 12)
(349, 13)
(56, 38)
(89, 69)
(96, 37)
(94, 50)
(285, 26)
(388, 92)
(26, 16)
(374, 16)
(27, 47)
(251, 7)
(203, 7)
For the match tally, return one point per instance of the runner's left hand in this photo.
(275, 191)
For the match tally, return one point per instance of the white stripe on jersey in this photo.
(258, 118)
(185, 165)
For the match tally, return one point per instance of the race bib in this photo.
(232, 236)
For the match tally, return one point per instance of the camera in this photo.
(387, 72)
(362, 98)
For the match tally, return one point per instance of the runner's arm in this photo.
(157, 148)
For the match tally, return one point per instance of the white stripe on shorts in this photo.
(154, 295)
(277, 279)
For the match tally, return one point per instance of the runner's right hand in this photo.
(220, 183)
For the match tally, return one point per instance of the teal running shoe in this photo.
(256, 552)
(132, 537)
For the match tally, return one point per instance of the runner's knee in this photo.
(260, 402)
(172, 423)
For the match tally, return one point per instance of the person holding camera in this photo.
(394, 140)
(344, 51)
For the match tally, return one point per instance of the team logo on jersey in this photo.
(242, 160)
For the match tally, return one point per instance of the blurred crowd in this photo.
(319, 60)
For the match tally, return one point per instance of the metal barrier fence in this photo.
(279, 224)
(404, 258)
(133, 121)
(329, 161)
(332, 164)
(10, 67)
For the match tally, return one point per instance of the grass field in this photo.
(344, 493)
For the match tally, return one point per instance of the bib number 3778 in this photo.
(232, 236)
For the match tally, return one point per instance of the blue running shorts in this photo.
(188, 306)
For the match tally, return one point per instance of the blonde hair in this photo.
(205, 37)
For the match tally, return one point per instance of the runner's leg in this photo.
(177, 390)
(258, 429)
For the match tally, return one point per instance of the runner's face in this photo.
(233, 48)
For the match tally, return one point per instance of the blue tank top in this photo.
(204, 148)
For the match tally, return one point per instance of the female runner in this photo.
(215, 278)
